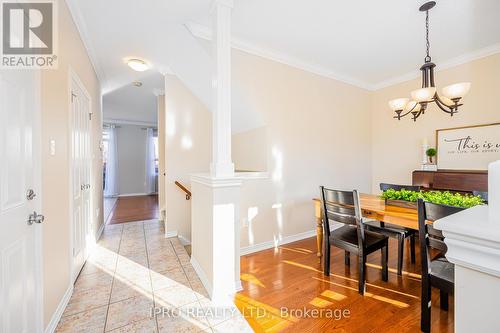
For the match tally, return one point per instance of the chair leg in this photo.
(401, 244)
(347, 258)
(326, 260)
(385, 267)
(425, 307)
(443, 298)
(412, 248)
(362, 274)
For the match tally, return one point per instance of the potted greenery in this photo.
(408, 199)
(431, 152)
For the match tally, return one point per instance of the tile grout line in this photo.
(113, 282)
(150, 278)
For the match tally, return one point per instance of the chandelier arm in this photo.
(443, 106)
(407, 113)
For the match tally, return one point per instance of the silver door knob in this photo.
(35, 218)
(30, 194)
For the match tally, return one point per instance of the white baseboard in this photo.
(170, 234)
(100, 231)
(238, 286)
(184, 241)
(285, 240)
(133, 194)
(51, 327)
(202, 276)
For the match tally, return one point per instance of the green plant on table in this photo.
(431, 152)
(437, 197)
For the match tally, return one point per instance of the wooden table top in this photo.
(373, 206)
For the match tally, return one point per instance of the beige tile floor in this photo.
(135, 271)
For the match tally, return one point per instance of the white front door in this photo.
(81, 166)
(20, 192)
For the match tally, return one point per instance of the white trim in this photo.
(129, 122)
(170, 234)
(184, 241)
(285, 240)
(56, 317)
(204, 32)
(460, 60)
(238, 286)
(82, 29)
(271, 244)
(100, 231)
(133, 194)
(208, 180)
(202, 275)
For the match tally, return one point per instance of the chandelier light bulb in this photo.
(457, 90)
(423, 94)
(398, 104)
(413, 106)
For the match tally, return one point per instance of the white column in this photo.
(215, 202)
(222, 165)
(473, 240)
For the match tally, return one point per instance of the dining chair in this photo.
(385, 186)
(436, 270)
(483, 195)
(394, 231)
(344, 207)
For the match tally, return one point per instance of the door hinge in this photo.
(73, 95)
(90, 115)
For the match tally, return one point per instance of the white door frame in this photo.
(74, 78)
(37, 181)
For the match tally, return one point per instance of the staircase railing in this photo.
(183, 188)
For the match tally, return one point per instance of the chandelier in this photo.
(449, 101)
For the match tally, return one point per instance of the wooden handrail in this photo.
(182, 187)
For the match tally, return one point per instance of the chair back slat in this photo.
(385, 186)
(343, 207)
(428, 235)
(483, 195)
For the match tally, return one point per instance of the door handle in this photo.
(35, 218)
(30, 194)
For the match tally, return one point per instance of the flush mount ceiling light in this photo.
(138, 65)
(449, 101)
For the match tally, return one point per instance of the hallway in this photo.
(134, 208)
(135, 271)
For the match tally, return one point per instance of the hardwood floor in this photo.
(130, 209)
(291, 277)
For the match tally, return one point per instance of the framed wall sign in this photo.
(468, 148)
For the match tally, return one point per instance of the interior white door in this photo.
(81, 167)
(20, 239)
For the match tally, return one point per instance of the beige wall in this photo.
(318, 133)
(161, 154)
(249, 150)
(188, 128)
(55, 169)
(396, 145)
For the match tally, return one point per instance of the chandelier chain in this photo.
(428, 44)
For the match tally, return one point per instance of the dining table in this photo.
(372, 207)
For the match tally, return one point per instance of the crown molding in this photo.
(460, 60)
(82, 29)
(204, 32)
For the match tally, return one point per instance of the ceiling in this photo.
(367, 43)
